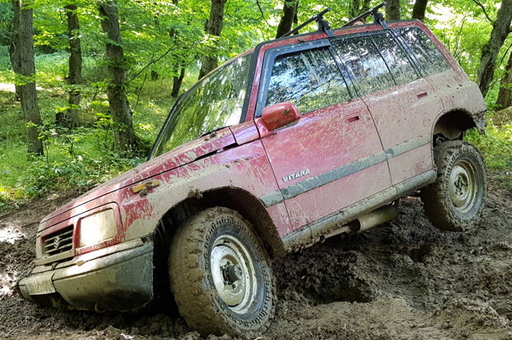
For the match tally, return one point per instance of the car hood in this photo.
(182, 155)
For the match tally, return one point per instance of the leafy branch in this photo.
(479, 4)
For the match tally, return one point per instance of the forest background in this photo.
(85, 86)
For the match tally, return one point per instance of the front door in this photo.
(332, 156)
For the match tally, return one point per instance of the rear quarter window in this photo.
(429, 58)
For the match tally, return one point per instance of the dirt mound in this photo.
(402, 280)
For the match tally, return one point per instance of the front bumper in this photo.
(115, 278)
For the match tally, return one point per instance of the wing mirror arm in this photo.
(275, 117)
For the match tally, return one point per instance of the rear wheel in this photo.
(456, 200)
(220, 275)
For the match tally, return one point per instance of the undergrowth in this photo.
(77, 159)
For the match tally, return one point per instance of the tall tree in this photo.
(419, 9)
(289, 14)
(71, 118)
(14, 49)
(393, 10)
(505, 94)
(213, 27)
(124, 137)
(28, 76)
(500, 30)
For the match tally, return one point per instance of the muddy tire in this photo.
(456, 199)
(220, 275)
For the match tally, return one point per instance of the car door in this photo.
(402, 103)
(332, 156)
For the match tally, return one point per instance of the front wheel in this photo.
(456, 199)
(220, 275)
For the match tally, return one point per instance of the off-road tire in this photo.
(195, 251)
(456, 199)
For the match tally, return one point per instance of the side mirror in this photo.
(276, 116)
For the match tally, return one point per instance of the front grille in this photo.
(59, 242)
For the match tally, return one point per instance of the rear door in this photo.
(402, 103)
(332, 157)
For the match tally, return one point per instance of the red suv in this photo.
(297, 140)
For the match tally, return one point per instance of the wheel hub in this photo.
(462, 186)
(233, 273)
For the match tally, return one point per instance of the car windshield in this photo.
(215, 102)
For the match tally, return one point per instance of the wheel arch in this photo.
(242, 201)
(450, 125)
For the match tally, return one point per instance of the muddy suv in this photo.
(297, 140)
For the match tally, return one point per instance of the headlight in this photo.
(97, 228)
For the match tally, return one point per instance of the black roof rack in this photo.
(378, 18)
(319, 18)
(323, 25)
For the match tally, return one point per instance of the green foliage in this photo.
(6, 16)
(495, 145)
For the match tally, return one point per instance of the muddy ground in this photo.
(402, 280)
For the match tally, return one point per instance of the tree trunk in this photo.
(356, 9)
(176, 83)
(124, 137)
(14, 49)
(71, 119)
(505, 94)
(286, 23)
(500, 30)
(213, 27)
(28, 74)
(392, 10)
(418, 11)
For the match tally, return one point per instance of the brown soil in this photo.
(402, 280)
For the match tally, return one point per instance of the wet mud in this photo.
(402, 280)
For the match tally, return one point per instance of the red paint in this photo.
(282, 148)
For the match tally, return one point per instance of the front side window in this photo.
(429, 58)
(309, 79)
(365, 62)
(215, 102)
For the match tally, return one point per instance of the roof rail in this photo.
(322, 24)
(378, 18)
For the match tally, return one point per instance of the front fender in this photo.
(245, 167)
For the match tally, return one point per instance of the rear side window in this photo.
(395, 58)
(366, 64)
(309, 79)
(376, 62)
(430, 59)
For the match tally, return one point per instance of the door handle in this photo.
(353, 119)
